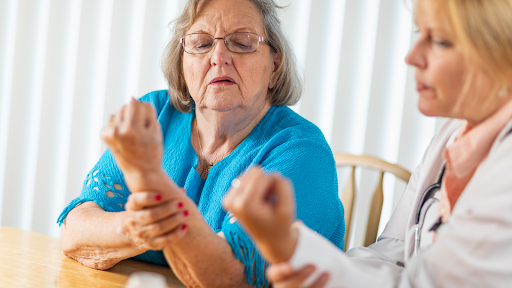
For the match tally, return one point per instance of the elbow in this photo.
(91, 260)
(87, 257)
(68, 245)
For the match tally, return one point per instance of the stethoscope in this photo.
(428, 194)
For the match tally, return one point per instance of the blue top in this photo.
(282, 141)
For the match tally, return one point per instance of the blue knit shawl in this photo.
(282, 141)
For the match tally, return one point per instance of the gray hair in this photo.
(288, 81)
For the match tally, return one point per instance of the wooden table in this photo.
(29, 259)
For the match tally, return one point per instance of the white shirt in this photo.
(473, 249)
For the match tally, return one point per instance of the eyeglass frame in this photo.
(261, 39)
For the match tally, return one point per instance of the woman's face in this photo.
(249, 75)
(441, 72)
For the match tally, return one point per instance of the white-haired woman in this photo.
(231, 72)
(457, 233)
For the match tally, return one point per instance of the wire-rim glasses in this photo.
(238, 42)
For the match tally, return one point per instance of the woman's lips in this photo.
(222, 81)
(421, 87)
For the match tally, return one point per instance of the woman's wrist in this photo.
(156, 180)
(281, 247)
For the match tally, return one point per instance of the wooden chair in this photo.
(349, 192)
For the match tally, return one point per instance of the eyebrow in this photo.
(245, 29)
(438, 30)
(433, 29)
(241, 29)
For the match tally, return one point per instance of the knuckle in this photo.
(236, 206)
(151, 215)
(155, 228)
(127, 132)
(139, 234)
(242, 204)
(130, 223)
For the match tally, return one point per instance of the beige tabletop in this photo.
(29, 259)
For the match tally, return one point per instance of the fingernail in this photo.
(180, 205)
(185, 212)
(158, 197)
(184, 226)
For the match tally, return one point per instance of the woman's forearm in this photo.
(91, 236)
(203, 258)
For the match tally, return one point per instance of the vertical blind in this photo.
(65, 65)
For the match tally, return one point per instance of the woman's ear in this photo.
(277, 63)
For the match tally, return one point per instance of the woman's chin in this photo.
(428, 109)
(221, 106)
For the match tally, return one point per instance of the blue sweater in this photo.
(282, 141)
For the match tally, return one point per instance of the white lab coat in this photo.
(473, 249)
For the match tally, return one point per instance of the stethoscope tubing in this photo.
(429, 193)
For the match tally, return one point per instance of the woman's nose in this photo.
(220, 54)
(416, 58)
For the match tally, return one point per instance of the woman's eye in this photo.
(202, 45)
(241, 44)
(441, 43)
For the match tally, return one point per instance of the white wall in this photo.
(65, 65)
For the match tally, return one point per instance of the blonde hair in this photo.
(288, 82)
(484, 30)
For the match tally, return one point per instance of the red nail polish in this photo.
(158, 197)
(184, 226)
(185, 212)
(180, 205)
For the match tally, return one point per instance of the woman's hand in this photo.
(155, 220)
(264, 204)
(135, 138)
(283, 276)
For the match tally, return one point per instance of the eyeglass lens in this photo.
(237, 42)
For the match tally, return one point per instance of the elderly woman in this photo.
(455, 233)
(230, 71)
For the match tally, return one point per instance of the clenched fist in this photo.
(135, 138)
(265, 206)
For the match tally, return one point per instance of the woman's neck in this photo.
(479, 113)
(220, 133)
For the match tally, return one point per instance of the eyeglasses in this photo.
(239, 42)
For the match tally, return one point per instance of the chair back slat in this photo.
(349, 193)
(375, 211)
(348, 198)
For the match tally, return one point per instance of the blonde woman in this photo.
(455, 234)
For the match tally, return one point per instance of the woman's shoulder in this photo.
(285, 123)
(159, 99)
(288, 139)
